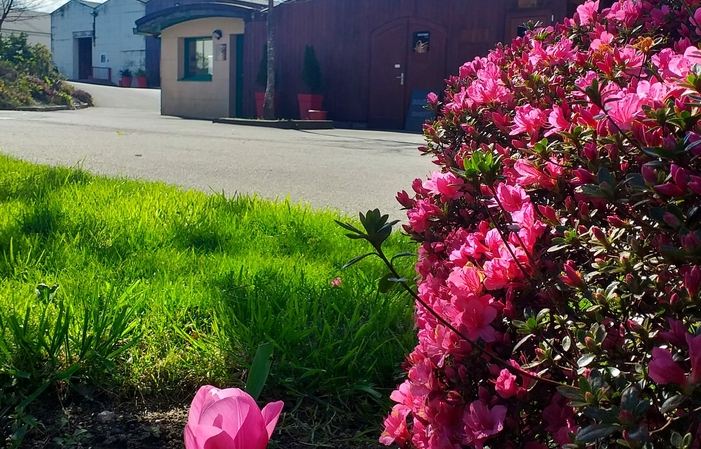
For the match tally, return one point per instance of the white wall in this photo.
(71, 17)
(36, 25)
(115, 38)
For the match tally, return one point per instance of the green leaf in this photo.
(672, 403)
(585, 360)
(348, 227)
(595, 432)
(385, 284)
(405, 254)
(569, 392)
(356, 260)
(371, 391)
(260, 368)
(598, 414)
(566, 343)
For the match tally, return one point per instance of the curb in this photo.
(279, 124)
(49, 108)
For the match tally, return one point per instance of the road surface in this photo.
(350, 170)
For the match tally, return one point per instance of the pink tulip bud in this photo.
(229, 418)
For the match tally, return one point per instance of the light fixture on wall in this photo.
(216, 34)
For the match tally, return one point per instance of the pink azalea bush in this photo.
(560, 240)
(229, 419)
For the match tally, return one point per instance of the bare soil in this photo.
(140, 425)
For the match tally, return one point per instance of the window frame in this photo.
(186, 59)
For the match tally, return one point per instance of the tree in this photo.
(268, 102)
(17, 10)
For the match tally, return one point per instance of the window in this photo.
(199, 59)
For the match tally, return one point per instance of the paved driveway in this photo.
(349, 170)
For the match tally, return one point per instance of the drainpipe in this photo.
(94, 37)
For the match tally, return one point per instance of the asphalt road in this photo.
(350, 170)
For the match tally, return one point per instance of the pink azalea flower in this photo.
(676, 335)
(481, 423)
(229, 419)
(692, 281)
(506, 385)
(557, 120)
(586, 12)
(420, 216)
(476, 318)
(695, 356)
(511, 197)
(445, 184)
(465, 281)
(528, 120)
(624, 111)
(664, 370)
(395, 427)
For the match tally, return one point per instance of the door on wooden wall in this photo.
(405, 55)
(85, 58)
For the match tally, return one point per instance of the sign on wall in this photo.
(421, 41)
(418, 114)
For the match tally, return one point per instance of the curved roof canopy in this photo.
(153, 24)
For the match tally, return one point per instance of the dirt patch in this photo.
(139, 425)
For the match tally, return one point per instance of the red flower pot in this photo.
(125, 81)
(260, 99)
(309, 102)
(317, 115)
(141, 81)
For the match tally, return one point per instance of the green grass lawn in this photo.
(162, 290)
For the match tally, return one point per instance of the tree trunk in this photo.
(269, 102)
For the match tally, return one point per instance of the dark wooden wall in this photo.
(340, 31)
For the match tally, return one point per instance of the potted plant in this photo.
(141, 77)
(126, 77)
(262, 82)
(311, 75)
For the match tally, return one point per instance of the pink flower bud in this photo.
(671, 220)
(679, 176)
(432, 99)
(695, 184)
(669, 189)
(649, 174)
(599, 235)
(617, 222)
(548, 212)
(572, 277)
(692, 281)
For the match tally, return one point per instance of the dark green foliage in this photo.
(28, 77)
(311, 73)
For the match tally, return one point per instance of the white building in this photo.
(36, 25)
(97, 41)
